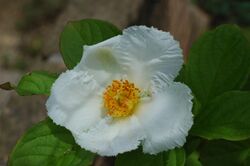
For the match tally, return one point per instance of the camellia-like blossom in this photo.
(122, 94)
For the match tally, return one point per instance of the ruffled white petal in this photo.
(167, 117)
(139, 53)
(110, 137)
(101, 62)
(146, 51)
(72, 103)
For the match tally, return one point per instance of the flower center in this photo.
(120, 98)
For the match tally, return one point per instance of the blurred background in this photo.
(30, 30)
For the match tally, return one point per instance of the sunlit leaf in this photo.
(36, 83)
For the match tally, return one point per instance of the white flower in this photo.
(122, 95)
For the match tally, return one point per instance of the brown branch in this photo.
(104, 161)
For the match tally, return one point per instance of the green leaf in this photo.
(219, 153)
(137, 158)
(176, 157)
(192, 143)
(193, 160)
(36, 83)
(218, 62)
(181, 76)
(246, 32)
(196, 107)
(247, 161)
(76, 34)
(226, 117)
(47, 144)
(247, 85)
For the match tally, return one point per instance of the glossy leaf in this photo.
(76, 34)
(47, 144)
(226, 117)
(218, 62)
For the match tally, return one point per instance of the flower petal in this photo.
(72, 103)
(146, 51)
(166, 118)
(110, 137)
(100, 61)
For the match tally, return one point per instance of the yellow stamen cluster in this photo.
(120, 98)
